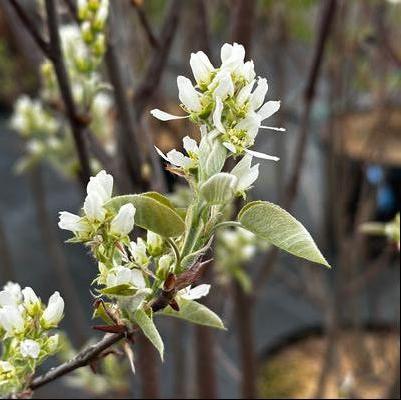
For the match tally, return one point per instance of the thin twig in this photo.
(56, 56)
(143, 19)
(83, 358)
(31, 28)
(291, 189)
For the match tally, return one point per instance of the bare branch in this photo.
(56, 56)
(292, 185)
(143, 19)
(31, 28)
(85, 357)
(158, 59)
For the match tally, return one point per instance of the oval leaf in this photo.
(194, 312)
(271, 222)
(151, 213)
(149, 329)
(119, 290)
(219, 189)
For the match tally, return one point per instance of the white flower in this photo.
(223, 85)
(6, 369)
(232, 56)
(11, 294)
(188, 95)
(30, 348)
(11, 319)
(247, 71)
(30, 298)
(138, 252)
(195, 293)
(72, 222)
(218, 111)
(246, 174)
(178, 159)
(54, 310)
(102, 185)
(123, 223)
(125, 276)
(201, 67)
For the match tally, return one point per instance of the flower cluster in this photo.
(228, 100)
(40, 121)
(25, 324)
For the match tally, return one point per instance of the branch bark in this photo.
(85, 357)
(56, 56)
(292, 186)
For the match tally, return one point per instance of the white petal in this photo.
(71, 222)
(164, 116)
(93, 207)
(246, 174)
(197, 292)
(161, 154)
(230, 147)
(201, 67)
(101, 185)
(137, 279)
(258, 96)
(273, 128)
(218, 110)
(244, 93)
(30, 348)
(54, 310)
(268, 109)
(190, 145)
(123, 223)
(225, 86)
(188, 95)
(261, 155)
(178, 159)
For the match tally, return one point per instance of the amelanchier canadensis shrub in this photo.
(155, 274)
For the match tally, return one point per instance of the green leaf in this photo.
(219, 189)
(119, 290)
(194, 312)
(212, 156)
(149, 329)
(153, 212)
(280, 228)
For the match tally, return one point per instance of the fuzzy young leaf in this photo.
(153, 212)
(219, 189)
(149, 329)
(194, 312)
(272, 223)
(212, 156)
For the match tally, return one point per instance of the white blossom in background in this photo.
(228, 98)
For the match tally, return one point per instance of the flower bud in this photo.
(31, 301)
(54, 311)
(52, 343)
(138, 251)
(154, 243)
(201, 67)
(29, 348)
(164, 266)
(123, 223)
